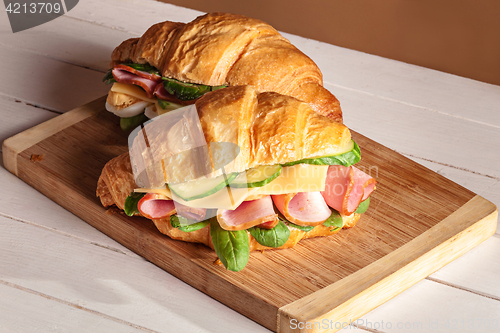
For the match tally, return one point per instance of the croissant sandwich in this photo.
(173, 64)
(238, 171)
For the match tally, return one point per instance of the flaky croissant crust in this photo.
(226, 49)
(269, 128)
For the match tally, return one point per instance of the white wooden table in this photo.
(58, 274)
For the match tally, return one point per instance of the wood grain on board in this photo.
(418, 222)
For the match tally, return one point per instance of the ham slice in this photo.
(249, 214)
(123, 74)
(346, 188)
(304, 208)
(156, 206)
(146, 75)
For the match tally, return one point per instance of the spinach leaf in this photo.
(183, 224)
(131, 203)
(274, 237)
(109, 78)
(301, 227)
(334, 221)
(232, 247)
(130, 123)
(186, 91)
(346, 159)
(363, 206)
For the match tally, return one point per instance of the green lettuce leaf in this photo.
(274, 237)
(363, 206)
(334, 221)
(303, 228)
(186, 225)
(131, 203)
(346, 159)
(232, 247)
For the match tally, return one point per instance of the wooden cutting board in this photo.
(418, 222)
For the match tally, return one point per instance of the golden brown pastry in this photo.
(268, 128)
(226, 49)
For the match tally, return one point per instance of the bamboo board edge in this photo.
(463, 230)
(18, 143)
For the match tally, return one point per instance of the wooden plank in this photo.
(136, 16)
(26, 311)
(423, 133)
(18, 116)
(62, 39)
(433, 307)
(410, 201)
(18, 143)
(64, 87)
(104, 283)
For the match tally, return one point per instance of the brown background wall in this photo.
(461, 37)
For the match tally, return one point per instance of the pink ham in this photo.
(249, 214)
(146, 75)
(304, 208)
(122, 74)
(155, 206)
(191, 213)
(346, 188)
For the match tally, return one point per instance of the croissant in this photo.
(267, 129)
(226, 49)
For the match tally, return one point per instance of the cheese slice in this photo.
(227, 198)
(297, 178)
(131, 90)
(162, 190)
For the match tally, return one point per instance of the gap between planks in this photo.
(456, 286)
(76, 306)
(449, 165)
(23, 101)
(107, 247)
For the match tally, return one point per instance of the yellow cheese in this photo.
(297, 178)
(162, 190)
(132, 90)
